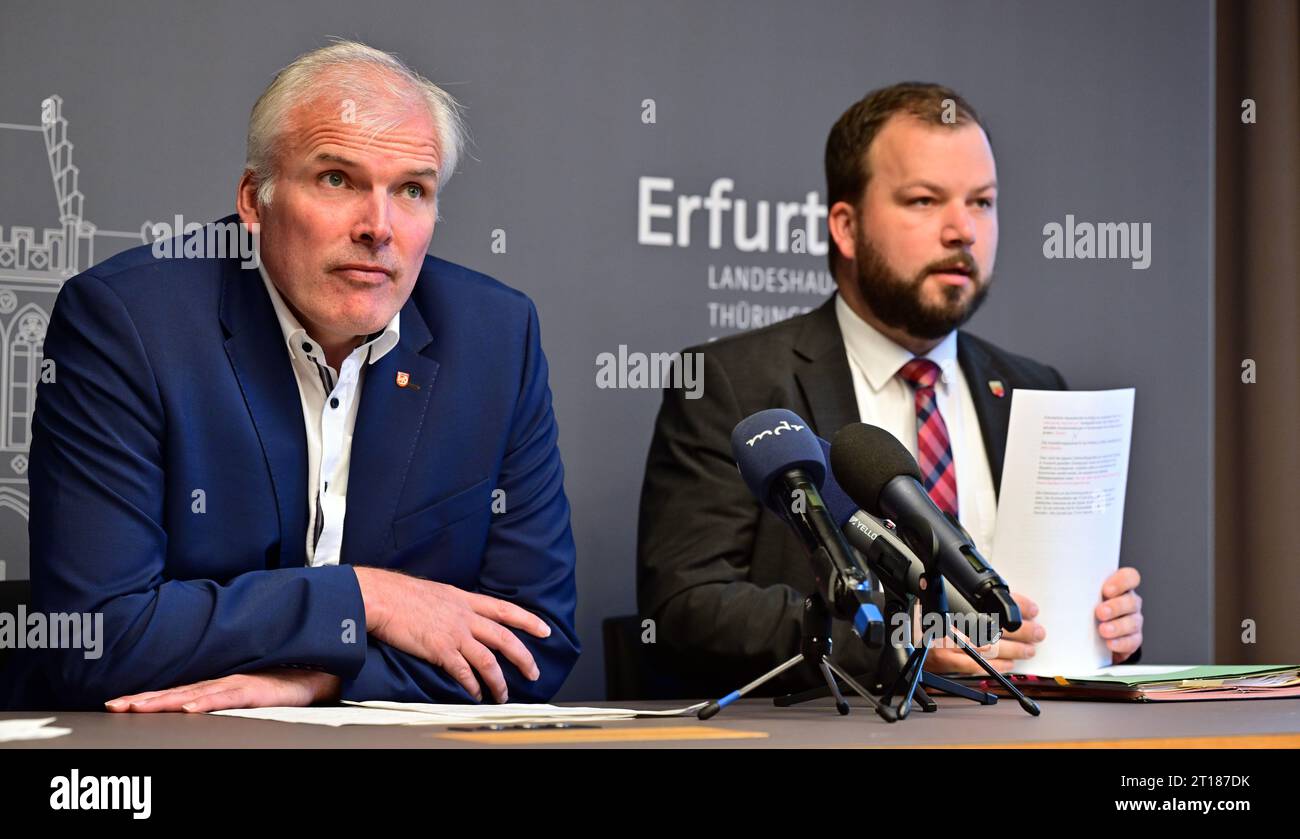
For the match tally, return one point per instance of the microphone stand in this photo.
(934, 600)
(844, 590)
(904, 666)
(815, 649)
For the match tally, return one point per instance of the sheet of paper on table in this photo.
(418, 713)
(1060, 515)
(30, 729)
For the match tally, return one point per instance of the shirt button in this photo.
(306, 346)
(334, 402)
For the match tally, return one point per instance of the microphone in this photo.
(877, 472)
(888, 557)
(782, 463)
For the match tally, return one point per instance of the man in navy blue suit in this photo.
(333, 475)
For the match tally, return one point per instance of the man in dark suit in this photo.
(912, 189)
(331, 476)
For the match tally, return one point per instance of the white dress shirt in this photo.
(887, 401)
(329, 412)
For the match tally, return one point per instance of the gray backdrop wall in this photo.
(1097, 110)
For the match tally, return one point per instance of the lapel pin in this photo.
(403, 378)
(995, 386)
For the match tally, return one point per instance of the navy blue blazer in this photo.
(172, 377)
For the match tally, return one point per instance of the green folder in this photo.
(1213, 671)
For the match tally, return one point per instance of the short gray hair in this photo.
(361, 72)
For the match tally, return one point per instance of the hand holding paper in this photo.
(1119, 614)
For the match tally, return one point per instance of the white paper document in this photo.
(418, 713)
(29, 729)
(1060, 515)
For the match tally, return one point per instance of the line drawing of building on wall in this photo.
(55, 242)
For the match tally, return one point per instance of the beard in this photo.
(897, 300)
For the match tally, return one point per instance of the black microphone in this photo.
(889, 559)
(882, 477)
(781, 461)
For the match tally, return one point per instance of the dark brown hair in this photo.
(854, 131)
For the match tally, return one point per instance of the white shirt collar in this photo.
(878, 357)
(295, 336)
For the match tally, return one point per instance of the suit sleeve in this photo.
(529, 560)
(98, 543)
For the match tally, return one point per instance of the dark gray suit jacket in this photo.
(723, 578)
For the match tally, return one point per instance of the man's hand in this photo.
(1119, 614)
(277, 686)
(454, 629)
(1002, 656)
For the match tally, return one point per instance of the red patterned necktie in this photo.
(934, 453)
